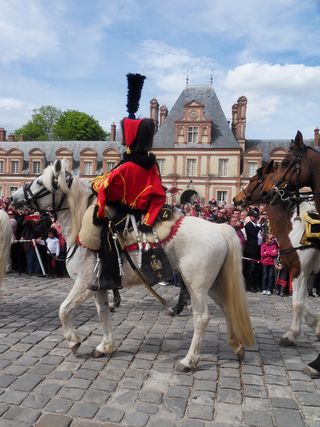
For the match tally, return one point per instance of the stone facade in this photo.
(198, 150)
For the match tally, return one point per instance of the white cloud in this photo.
(289, 79)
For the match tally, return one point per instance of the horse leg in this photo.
(298, 295)
(217, 294)
(200, 320)
(105, 346)
(313, 320)
(116, 298)
(77, 296)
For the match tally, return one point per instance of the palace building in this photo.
(198, 150)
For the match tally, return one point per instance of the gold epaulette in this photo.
(97, 182)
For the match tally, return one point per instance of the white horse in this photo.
(5, 242)
(309, 260)
(207, 255)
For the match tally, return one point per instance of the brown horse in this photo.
(301, 263)
(298, 169)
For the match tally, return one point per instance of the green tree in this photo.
(77, 126)
(40, 127)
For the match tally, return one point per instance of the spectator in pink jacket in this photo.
(269, 252)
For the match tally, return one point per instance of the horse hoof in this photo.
(171, 312)
(311, 372)
(75, 347)
(112, 309)
(241, 353)
(285, 342)
(116, 303)
(182, 368)
(96, 354)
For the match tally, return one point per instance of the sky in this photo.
(75, 54)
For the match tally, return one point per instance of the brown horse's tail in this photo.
(235, 302)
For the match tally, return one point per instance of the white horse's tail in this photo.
(234, 290)
(5, 242)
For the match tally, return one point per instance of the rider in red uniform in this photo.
(133, 186)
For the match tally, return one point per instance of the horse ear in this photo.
(298, 141)
(57, 168)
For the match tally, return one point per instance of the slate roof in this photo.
(266, 146)
(221, 137)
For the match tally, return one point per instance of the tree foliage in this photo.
(77, 126)
(49, 123)
(41, 126)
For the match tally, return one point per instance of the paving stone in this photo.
(107, 413)
(25, 415)
(136, 419)
(27, 382)
(175, 405)
(13, 397)
(308, 399)
(53, 420)
(227, 395)
(150, 396)
(84, 410)
(71, 393)
(35, 401)
(280, 402)
(257, 419)
(6, 380)
(59, 405)
(227, 413)
(3, 408)
(200, 412)
(288, 417)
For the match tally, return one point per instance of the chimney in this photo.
(242, 118)
(316, 137)
(163, 114)
(154, 112)
(113, 132)
(2, 134)
(234, 121)
(20, 137)
(11, 137)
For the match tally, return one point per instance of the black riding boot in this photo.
(110, 276)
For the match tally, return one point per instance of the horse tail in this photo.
(232, 280)
(5, 242)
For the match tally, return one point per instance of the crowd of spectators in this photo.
(38, 246)
(262, 268)
(38, 237)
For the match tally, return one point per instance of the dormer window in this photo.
(36, 167)
(193, 134)
(14, 166)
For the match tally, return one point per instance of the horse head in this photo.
(254, 191)
(45, 192)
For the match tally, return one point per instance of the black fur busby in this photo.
(135, 84)
(137, 133)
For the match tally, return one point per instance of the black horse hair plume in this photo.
(135, 84)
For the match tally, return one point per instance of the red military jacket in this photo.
(133, 186)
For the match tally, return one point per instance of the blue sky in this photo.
(75, 54)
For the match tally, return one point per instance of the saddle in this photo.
(151, 259)
(311, 233)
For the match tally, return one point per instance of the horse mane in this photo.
(77, 196)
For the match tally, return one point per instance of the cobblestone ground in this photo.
(42, 384)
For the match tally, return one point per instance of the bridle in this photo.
(31, 198)
(259, 181)
(280, 185)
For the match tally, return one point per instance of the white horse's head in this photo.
(58, 191)
(45, 192)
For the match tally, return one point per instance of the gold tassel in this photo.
(128, 150)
